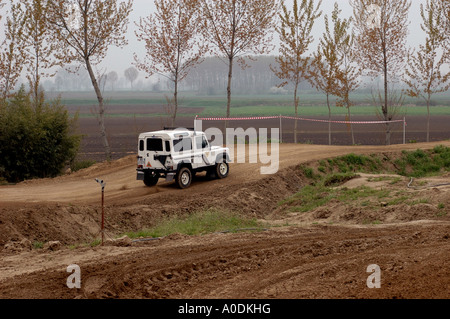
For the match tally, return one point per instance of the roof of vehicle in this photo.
(171, 134)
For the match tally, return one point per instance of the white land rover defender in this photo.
(178, 155)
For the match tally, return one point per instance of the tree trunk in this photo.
(386, 106)
(296, 113)
(428, 119)
(351, 126)
(329, 119)
(35, 86)
(230, 77)
(175, 102)
(101, 110)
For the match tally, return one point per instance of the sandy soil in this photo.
(305, 256)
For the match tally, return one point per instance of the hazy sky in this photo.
(120, 59)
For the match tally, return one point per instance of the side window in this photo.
(201, 142)
(182, 145)
(141, 145)
(167, 146)
(204, 142)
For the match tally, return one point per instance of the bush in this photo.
(36, 138)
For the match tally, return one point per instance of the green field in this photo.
(311, 104)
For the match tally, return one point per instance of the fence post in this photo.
(281, 131)
(102, 184)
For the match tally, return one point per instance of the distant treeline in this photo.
(207, 78)
(210, 78)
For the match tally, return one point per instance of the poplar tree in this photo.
(236, 29)
(12, 50)
(426, 73)
(324, 66)
(172, 44)
(295, 37)
(39, 49)
(381, 28)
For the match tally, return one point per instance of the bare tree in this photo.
(348, 72)
(39, 49)
(112, 78)
(12, 50)
(381, 33)
(172, 44)
(324, 66)
(85, 29)
(131, 74)
(295, 36)
(237, 28)
(445, 28)
(426, 74)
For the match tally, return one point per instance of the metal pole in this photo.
(281, 131)
(102, 184)
(103, 216)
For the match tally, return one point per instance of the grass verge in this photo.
(199, 223)
(326, 175)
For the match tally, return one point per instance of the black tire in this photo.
(184, 178)
(222, 170)
(151, 179)
(211, 173)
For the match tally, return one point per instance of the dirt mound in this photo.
(401, 226)
(67, 209)
(375, 199)
(295, 263)
(51, 222)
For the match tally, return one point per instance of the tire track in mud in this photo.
(316, 262)
(319, 262)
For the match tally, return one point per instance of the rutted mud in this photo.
(307, 256)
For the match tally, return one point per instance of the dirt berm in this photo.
(305, 256)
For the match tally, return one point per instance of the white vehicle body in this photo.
(179, 155)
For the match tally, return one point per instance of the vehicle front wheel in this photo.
(222, 170)
(184, 178)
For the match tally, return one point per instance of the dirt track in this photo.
(312, 261)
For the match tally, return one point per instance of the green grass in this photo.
(419, 163)
(311, 104)
(333, 172)
(38, 245)
(422, 163)
(78, 165)
(199, 223)
(352, 163)
(314, 196)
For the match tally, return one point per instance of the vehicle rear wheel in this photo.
(151, 179)
(184, 178)
(222, 170)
